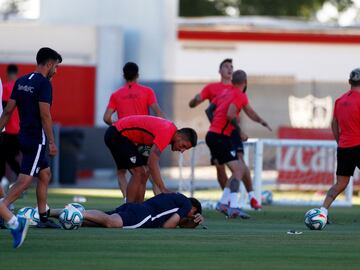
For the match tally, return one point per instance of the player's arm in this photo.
(107, 116)
(210, 111)
(195, 101)
(232, 117)
(154, 167)
(156, 109)
(255, 117)
(335, 129)
(172, 222)
(6, 114)
(46, 122)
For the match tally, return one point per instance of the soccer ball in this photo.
(315, 219)
(78, 206)
(31, 214)
(70, 218)
(266, 197)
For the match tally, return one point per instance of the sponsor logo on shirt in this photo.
(133, 159)
(26, 88)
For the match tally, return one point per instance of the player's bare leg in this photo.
(237, 168)
(248, 183)
(136, 184)
(103, 219)
(42, 189)
(121, 175)
(221, 175)
(21, 184)
(335, 190)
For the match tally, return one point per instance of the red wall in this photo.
(73, 93)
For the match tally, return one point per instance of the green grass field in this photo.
(258, 243)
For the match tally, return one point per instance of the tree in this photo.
(305, 9)
(11, 7)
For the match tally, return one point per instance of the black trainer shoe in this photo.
(48, 224)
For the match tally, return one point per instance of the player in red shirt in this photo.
(9, 143)
(209, 92)
(126, 134)
(131, 99)
(346, 129)
(224, 120)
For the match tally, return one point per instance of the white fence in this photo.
(300, 171)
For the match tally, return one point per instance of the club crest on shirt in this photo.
(133, 159)
(233, 153)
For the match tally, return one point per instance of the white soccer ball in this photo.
(70, 218)
(31, 214)
(315, 219)
(266, 197)
(78, 206)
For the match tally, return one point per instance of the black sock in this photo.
(44, 216)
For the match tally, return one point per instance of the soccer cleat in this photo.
(255, 204)
(20, 232)
(237, 212)
(48, 224)
(222, 208)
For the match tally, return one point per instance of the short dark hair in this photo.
(131, 71)
(45, 54)
(354, 78)
(190, 134)
(238, 76)
(227, 60)
(12, 69)
(196, 204)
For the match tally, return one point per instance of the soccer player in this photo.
(166, 210)
(123, 138)
(32, 96)
(131, 99)
(346, 129)
(9, 143)
(224, 120)
(209, 92)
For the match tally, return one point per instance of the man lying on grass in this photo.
(166, 210)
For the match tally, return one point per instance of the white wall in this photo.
(303, 61)
(21, 41)
(149, 27)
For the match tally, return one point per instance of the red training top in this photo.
(12, 127)
(347, 113)
(132, 99)
(146, 129)
(220, 123)
(211, 90)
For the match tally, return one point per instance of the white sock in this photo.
(234, 200)
(251, 194)
(225, 198)
(13, 223)
(323, 209)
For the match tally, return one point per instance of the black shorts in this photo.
(237, 142)
(133, 215)
(347, 160)
(221, 148)
(34, 159)
(124, 151)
